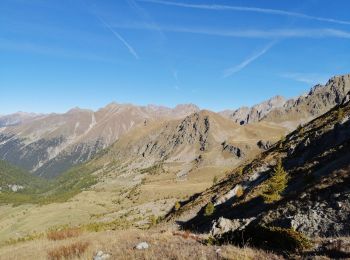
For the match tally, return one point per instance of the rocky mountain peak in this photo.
(245, 115)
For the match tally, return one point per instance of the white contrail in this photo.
(246, 9)
(126, 44)
(263, 34)
(230, 71)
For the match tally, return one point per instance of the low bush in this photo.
(209, 209)
(271, 238)
(177, 205)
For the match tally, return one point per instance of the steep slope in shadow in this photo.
(316, 201)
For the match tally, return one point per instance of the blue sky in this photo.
(217, 54)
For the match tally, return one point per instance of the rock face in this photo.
(223, 225)
(47, 145)
(232, 149)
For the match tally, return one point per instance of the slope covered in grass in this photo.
(37, 190)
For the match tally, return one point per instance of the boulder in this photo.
(264, 145)
(224, 225)
(142, 245)
(100, 255)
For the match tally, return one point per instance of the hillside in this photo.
(141, 175)
(13, 179)
(199, 140)
(315, 202)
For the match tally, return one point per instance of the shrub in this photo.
(209, 209)
(177, 205)
(153, 220)
(239, 191)
(215, 180)
(63, 233)
(340, 114)
(276, 184)
(300, 128)
(70, 251)
(287, 239)
(275, 238)
(283, 139)
(210, 241)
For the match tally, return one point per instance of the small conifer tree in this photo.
(215, 180)
(277, 183)
(177, 205)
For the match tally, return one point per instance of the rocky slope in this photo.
(315, 202)
(50, 144)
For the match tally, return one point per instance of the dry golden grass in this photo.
(63, 233)
(121, 246)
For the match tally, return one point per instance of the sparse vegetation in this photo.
(276, 184)
(27, 238)
(117, 224)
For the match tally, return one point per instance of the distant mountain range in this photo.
(48, 145)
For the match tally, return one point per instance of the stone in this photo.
(264, 145)
(100, 255)
(224, 225)
(229, 195)
(142, 245)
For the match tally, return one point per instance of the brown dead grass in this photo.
(63, 233)
(76, 249)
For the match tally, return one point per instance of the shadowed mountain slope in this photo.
(315, 201)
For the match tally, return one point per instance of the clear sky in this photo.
(55, 55)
